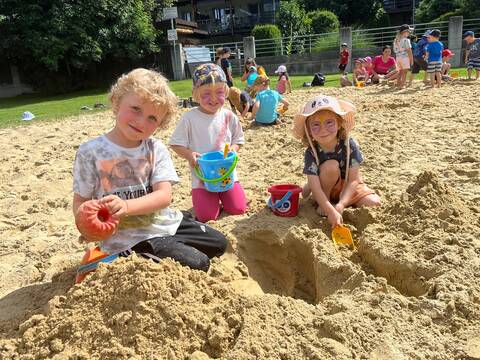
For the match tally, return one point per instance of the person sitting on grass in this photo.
(433, 55)
(472, 55)
(446, 66)
(241, 101)
(265, 110)
(132, 173)
(384, 66)
(322, 125)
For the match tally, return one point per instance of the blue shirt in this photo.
(269, 99)
(434, 50)
(251, 78)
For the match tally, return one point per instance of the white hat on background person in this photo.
(281, 69)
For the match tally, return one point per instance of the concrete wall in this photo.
(16, 87)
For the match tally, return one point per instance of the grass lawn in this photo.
(60, 106)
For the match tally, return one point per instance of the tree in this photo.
(323, 21)
(268, 31)
(63, 36)
(429, 10)
(349, 12)
(293, 22)
(439, 10)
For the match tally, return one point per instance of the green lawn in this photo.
(60, 106)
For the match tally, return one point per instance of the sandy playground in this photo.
(410, 291)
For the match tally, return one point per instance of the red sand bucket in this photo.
(284, 199)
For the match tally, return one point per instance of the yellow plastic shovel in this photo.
(341, 235)
(226, 149)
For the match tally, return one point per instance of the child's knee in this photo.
(206, 214)
(330, 167)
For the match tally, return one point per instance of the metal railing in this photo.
(303, 44)
(472, 25)
(235, 47)
(378, 37)
(237, 23)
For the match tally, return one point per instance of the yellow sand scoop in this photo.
(226, 149)
(341, 236)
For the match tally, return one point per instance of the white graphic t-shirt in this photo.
(103, 168)
(203, 133)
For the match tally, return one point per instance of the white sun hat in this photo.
(281, 69)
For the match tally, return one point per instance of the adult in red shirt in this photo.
(384, 66)
(344, 57)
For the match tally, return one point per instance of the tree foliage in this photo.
(323, 21)
(269, 31)
(292, 18)
(349, 12)
(433, 10)
(62, 36)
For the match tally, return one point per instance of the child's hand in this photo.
(334, 217)
(193, 158)
(340, 207)
(117, 207)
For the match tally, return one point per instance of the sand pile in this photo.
(282, 291)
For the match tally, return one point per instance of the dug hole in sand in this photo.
(282, 291)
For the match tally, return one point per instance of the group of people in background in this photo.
(264, 104)
(411, 56)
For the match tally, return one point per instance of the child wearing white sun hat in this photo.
(332, 160)
(284, 86)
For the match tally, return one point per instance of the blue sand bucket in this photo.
(215, 170)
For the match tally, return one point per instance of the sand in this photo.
(282, 291)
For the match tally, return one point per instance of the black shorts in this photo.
(342, 67)
(419, 64)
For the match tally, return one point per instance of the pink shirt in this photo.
(282, 84)
(381, 67)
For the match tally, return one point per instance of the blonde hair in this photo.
(151, 87)
(234, 96)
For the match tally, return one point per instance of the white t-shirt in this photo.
(203, 133)
(103, 168)
(400, 48)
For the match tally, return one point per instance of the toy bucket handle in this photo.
(221, 178)
(279, 203)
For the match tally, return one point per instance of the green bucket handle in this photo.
(221, 178)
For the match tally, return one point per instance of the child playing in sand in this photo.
(403, 52)
(265, 110)
(433, 55)
(284, 86)
(241, 101)
(208, 128)
(360, 74)
(446, 66)
(132, 173)
(472, 55)
(322, 126)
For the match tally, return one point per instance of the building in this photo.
(400, 11)
(222, 17)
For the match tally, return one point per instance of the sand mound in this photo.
(282, 291)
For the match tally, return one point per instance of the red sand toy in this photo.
(94, 221)
(284, 199)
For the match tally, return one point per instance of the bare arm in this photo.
(285, 103)
(159, 198)
(467, 52)
(244, 76)
(289, 86)
(255, 109)
(334, 217)
(187, 154)
(410, 55)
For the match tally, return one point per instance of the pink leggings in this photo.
(207, 204)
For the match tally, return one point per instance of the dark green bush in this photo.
(323, 21)
(267, 31)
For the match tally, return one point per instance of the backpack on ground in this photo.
(318, 79)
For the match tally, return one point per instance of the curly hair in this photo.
(151, 87)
